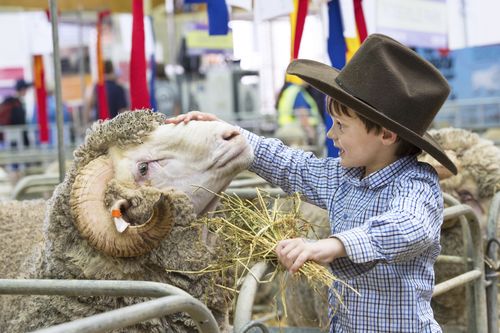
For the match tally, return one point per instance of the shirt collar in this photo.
(380, 178)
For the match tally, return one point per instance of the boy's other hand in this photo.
(293, 253)
(192, 115)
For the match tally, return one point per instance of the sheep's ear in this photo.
(97, 223)
(443, 173)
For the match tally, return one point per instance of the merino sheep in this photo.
(139, 167)
(478, 179)
(492, 134)
(478, 163)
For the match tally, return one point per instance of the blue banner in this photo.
(337, 52)
(336, 42)
(218, 16)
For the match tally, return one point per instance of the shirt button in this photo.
(345, 216)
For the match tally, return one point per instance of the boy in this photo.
(385, 207)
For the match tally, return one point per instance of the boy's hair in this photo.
(404, 147)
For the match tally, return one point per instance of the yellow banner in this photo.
(199, 39)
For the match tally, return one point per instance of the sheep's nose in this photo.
(230, 134)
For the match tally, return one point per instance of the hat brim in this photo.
(322, 77)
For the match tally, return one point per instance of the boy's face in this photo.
(360, 148)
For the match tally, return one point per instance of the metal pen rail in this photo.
(474, 260)
(491, 269)
(35, 186)
(244, 305)
(172, 299)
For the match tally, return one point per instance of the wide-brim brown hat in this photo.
(389, 84)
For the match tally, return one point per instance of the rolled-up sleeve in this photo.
(294, 170)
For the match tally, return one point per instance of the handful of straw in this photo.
(250, 232)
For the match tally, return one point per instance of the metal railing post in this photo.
(475, 275)
(246, 297)
(491, 273)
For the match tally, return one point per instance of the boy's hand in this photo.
(293, 253)
(192, 115)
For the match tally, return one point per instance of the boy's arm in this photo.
(411, 224)
(294, 170)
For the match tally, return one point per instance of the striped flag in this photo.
(360, 20)
(337, 52)
(297, 20)
(347, 30)
(348, 26)
(355, 31)
(41, 98)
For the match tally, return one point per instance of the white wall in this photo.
(473, 22)
(21, 36)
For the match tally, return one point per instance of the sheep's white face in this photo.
(185, 157)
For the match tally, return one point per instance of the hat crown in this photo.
(395, 81)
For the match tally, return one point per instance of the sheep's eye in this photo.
(465, 196)
(143, 168)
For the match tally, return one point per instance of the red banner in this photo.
(360, 20)
(139, 95)
(41, 98)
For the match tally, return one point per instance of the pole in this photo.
(465, 24)
(57, 81)
(171, 40)
(78, 121)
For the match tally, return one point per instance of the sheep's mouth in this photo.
(135, 223)
(210, 206)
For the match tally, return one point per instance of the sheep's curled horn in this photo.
(94, 221)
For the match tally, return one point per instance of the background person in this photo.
(52, 117)
(166, 93)
(13, 109)
(296, 107)
(115, 94)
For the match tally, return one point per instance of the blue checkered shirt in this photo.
(389, 223)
